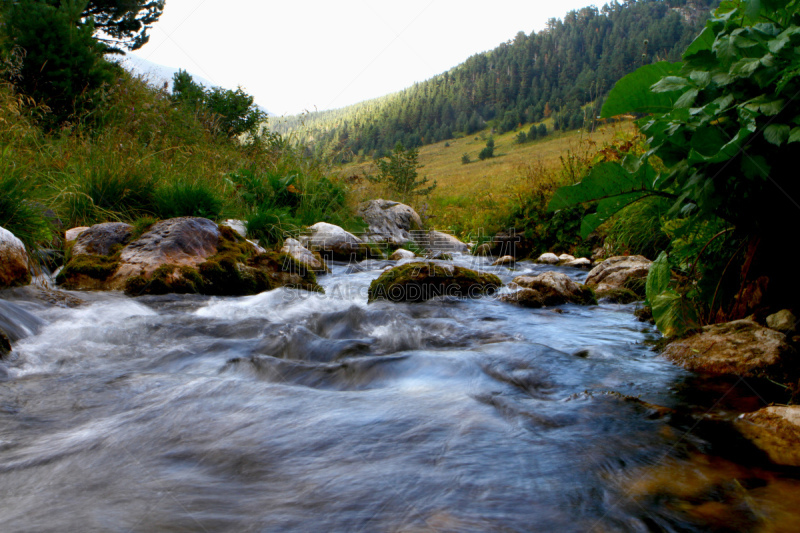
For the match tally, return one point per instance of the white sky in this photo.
(306, 55)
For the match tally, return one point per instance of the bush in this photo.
(465, 160)
(21, 214)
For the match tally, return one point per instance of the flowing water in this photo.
(291, 411)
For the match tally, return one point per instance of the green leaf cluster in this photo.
(720, 127)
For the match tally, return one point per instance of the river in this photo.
(293, 411)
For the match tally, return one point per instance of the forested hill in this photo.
(553, 73)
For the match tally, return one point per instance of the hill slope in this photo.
(553, 74)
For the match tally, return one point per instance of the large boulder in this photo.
(312, 261)
(741, 347)
(776, 431)
(14, 261)
(187, 255)
(101, 239)
(618, 272)
(389, 222)
(332, 241)
(419, 281)
(181, 242)
(548, 289)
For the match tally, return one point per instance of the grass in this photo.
(468, 197)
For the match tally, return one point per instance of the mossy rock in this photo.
(420, 281)
(619, 296)
(87, 271)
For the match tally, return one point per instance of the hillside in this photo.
(468, 197)
(551, 74)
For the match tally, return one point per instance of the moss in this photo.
(619, 296)
(286, 271)
(418, 281)
(166, 279)
(97, 267)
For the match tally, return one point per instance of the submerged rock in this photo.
(389, 222)
(420, 281)
(741, 347)
(776, 431)
(616, 272)
(14, 261)
(548, 289)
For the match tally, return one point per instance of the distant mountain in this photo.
(561, 74)
(158, 75)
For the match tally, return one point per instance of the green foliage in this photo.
(673, 312)
(63, 65)
(637, 229)
(488, 151)
(188, 198)
(722, 127)
(20, 213)
(123, 22)
(235, 111)
(399, 173)
(465, 160)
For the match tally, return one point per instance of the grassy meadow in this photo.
(471, 197)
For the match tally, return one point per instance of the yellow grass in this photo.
(468, 195)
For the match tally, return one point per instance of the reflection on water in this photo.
(292, 411)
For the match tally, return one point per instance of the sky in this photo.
(296, 56)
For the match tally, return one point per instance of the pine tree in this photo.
(399, 173)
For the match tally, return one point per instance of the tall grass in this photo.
(138, 155)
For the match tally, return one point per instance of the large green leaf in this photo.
(608, 208)
(659, 277)
(702, 43)
(606, 180)
(632, 94)
(674, 314)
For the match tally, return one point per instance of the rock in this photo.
(14, 261)
(188, 255)
(239, 226)
(401, 254)
(566, 258)
(180, 242)
(548, 259)
(72, 234)
(618, 296)
(579, 263)
(614, 272)
(100, 239)
(5, 346)
(257, 248)
(776, 431)
(389, 222)
(505, 260)
(332, 241)
(437, 241)
(548, 289)
(483, 250)
(303, 255)
(783, 321)
(439, 255)
(420, 281)
(741, 347)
